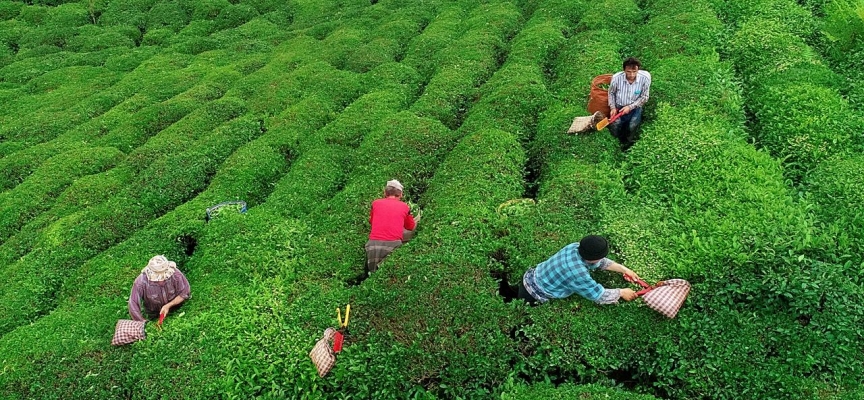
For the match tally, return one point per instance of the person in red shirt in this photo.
(392, 224)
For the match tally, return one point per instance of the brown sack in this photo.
(599, 98)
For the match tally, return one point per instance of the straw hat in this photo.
(394, 184)
(159, 269)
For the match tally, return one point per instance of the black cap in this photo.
(593, 247)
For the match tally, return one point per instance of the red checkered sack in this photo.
(322, 354)
(666, 297)
(128, 331)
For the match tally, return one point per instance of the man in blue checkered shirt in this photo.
(567, 272)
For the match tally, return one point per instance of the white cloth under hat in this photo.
(394, 184)
(159, 269)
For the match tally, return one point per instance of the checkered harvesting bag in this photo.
(322, 354)
(667, 296)
(128, 331)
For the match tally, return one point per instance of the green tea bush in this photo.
(538, 43)
(166, 15)
(466, 64)
(309, 13)
(747, 216)
(33, 15)
(441, 31)
(234, 15)
(147, 123)
(550, 145)
(803, 124)
(265, 6)
(9, 10)
(279, 90)
(797, 20)
(91, 190)
(679, 83)
(691, 34)
(130, 60)
(413, 147)
(359, 119)
(133, 13)
(68, 15)
(339, 44)
(569, 391)
(207, 9)
(567, 11)
(166, 181)
(581, 58)
(250, 173)
(71, 343)
(595, 16)
(192, 128)
(511, 100)
(394, 76)
(835, 188)
(373, 53)
(445, 277)
(93, 38)
(763, 46)
(39, 190)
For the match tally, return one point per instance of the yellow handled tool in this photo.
(347, 315)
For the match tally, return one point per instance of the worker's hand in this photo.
(626, 110)
(628, 294)
(613, 111)
(164, 310)
(629, 272)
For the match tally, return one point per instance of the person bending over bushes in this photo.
(392, 224)
(628, 92)
(161, 286)
(567, 272)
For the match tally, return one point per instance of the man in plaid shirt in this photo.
(567, 272)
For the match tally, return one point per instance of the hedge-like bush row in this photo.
(798, 120)
(671, 183)
(38, 191)
(220, 280)
(433, 320)
(465, 64)
(9, 9)
(402, 146)
(270, 90)
(445, 28)
(835, 189)
(569, 391)
(584, 56)
(166, 179)
(841, 25)
(511, 100)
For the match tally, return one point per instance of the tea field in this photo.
(121, 122)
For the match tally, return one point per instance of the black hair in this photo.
(632, 62)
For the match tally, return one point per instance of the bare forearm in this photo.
(177, 300)
(621, 270)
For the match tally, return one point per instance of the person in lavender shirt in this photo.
(628, 93)
(160, 286)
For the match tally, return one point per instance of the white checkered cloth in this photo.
(128, 331)
(322, 354)
(668, 296)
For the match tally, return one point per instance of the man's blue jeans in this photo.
(626, 127)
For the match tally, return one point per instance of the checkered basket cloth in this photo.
(667, 296)
(322, 354)
(128, 331)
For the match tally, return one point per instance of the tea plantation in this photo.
(121, 122)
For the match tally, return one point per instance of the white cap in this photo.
(394, 184)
